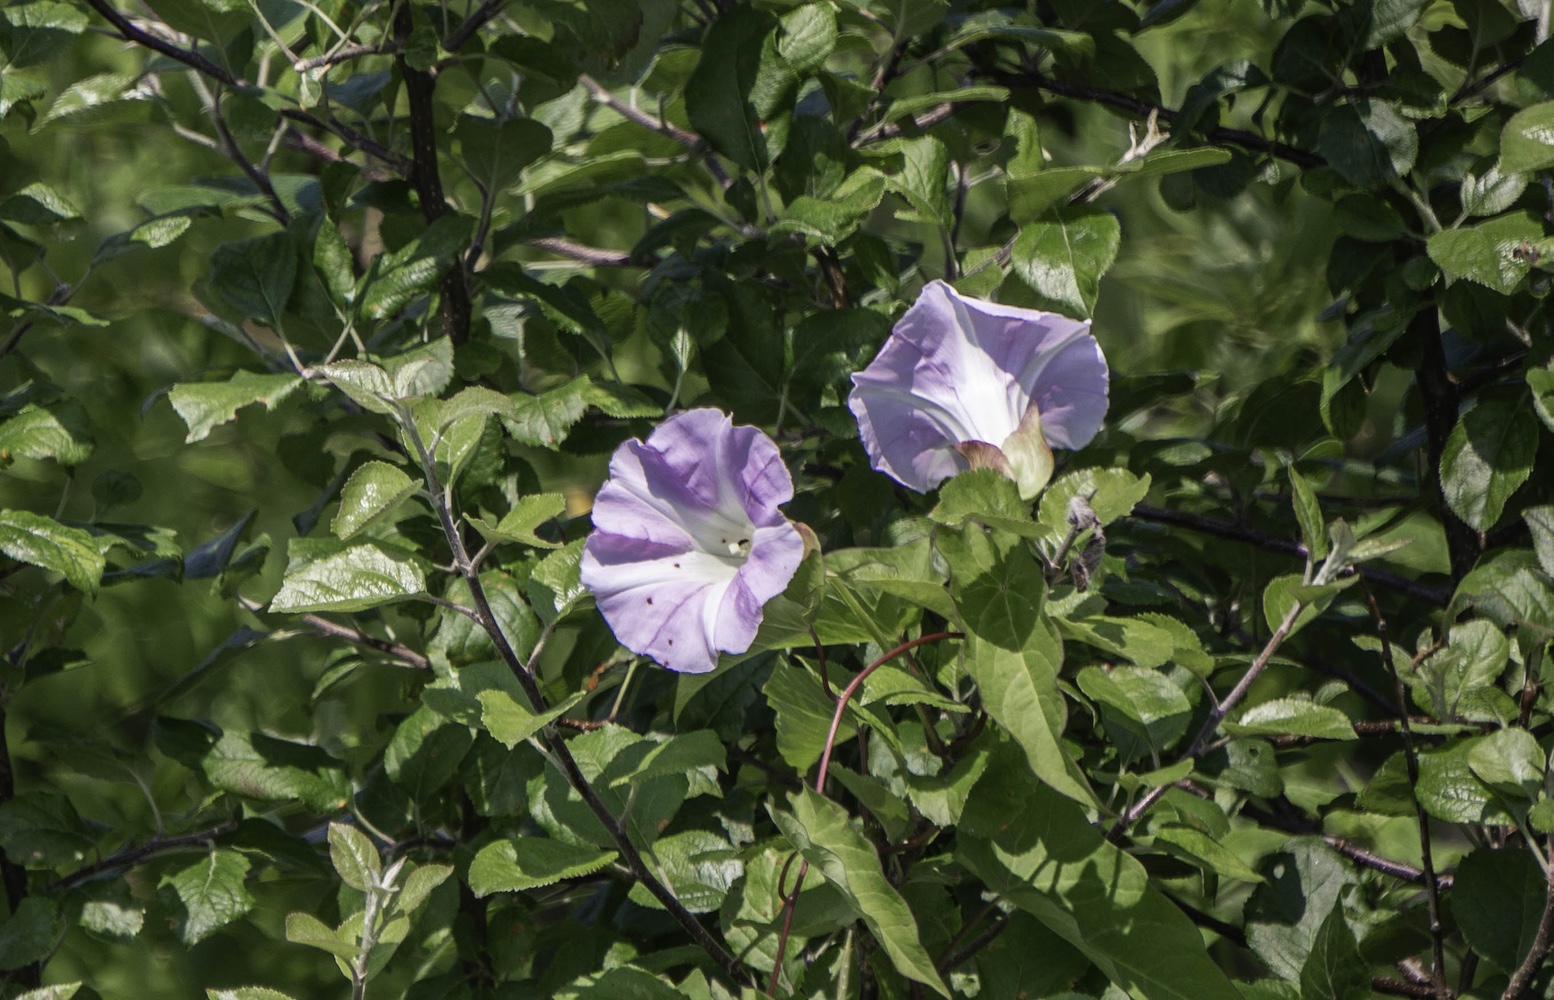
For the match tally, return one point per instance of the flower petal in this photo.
(689, 543)
(957, 369)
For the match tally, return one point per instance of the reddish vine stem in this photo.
(789, 902)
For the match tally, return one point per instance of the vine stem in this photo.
(790, 900)
(555, 746)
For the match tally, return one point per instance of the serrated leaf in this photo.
(518, 524)
(354, 857)
(1368, 142)
(1489, 253)
(247, 993)
(212, 892)
(353, 579)
(373, 492)
(424, 371)
(1334, 969)
(415, 269)
(718, 93)
(418, 885)
(36, 204)
(1211, 852)
(30, 933)
(676, 755)
(43, 541)
(33, 33)
(59, 430)
(545, 420)
(823, 832)
(521, 863)
(1488, 455)
(495, 153)
(1062, 259)
(43, 830)
(254, 277)
(1527, 143)
(365, 383)
(511, 723)
(207, 405)
(268, 769)
(1293, 717)
(59, 991)
(1498, 899)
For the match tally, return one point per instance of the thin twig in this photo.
(188, 57)
(477, 20)
(345, 55)
(981, 941)
(593, 256)
(1375, 862)
(1411, 758)
(135, 855)
(334, 630)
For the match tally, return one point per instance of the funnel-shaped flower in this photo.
(688, 543)
(963, 384)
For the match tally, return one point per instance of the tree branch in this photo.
(188, 57)
(419, 85)
(1521, 979)
(145, 852)
(1143, 109)
(477, 20)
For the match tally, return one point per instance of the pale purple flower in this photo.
(688, 544)
(962, 383)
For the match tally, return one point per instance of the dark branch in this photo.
(1441, 399)
(419, 85)
(477, 20)
(145, 852)
(188, 57)
(1143, 109)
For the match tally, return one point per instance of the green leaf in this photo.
(806, 37)
(31, 34)
(989, 498)
(254, 277)
(1497, 899)
(1039, 851)
(1063, 259)
(425, 752)
(823, 832)
(268, 769)
(304, 928)
(1175, 161)
(676, 755)
(1197, 844)
(205, 406)
(42, 830)
(418, 885)
(520, 863)
(621, 401)
(1306, 881)
(1293, 716)
(354, 857)
(1110, 493)
(923, 177)
(374, 491)
(718, 93)
(59, 430)
(416, 269)
(108, 98)
(1284, 592)
(36, 204)
(64, 991)
(1527, 144)
(31, 933)
(1032, 196)
(803, 715)
(424, 371)
(1449, 790)
(518, 524)
(1143, 710)
(1540, 523)
(511, 723)
(699, 866)
(545, 420)
(365, 383)
(246, 993)
(43, 541)
(1511, 762)
(1308, 513)
(1490, 253)
(1011, 649)
(1334, 969)
(1488, 455)
(212, 892)
(1492, 193)
(350, 579)
(495, 153)
(1368, 142)
(1452, 681)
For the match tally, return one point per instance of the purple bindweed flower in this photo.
(688, 544)
(965, 384)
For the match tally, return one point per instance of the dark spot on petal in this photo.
(650, 600)
(671, 642)
(676, 565)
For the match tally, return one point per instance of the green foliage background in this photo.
(1262, 715)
